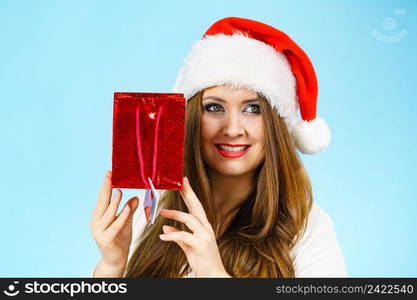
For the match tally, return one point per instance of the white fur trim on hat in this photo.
(311, 137)
(243, 62)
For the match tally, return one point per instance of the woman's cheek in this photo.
(208, 129)
(256, 130)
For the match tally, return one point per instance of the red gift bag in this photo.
(148, 140)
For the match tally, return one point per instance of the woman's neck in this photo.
(229, 193)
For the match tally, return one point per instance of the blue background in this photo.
(61, 61)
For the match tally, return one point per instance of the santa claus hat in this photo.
(249, 54)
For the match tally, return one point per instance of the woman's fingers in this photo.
(133, 205)
(111, 211)
(188, 219)
(169, 229)
(125, 217)
(194, 205)
(147, 210)
(181, 237)
(103, 197)
(120, 221)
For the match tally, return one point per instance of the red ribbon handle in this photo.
(155, 147)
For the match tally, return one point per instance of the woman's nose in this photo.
(233, 126)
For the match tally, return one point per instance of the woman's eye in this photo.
(253, 108)
(213, 107)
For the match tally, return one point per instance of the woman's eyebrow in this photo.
(214, 98)
(250, 100)
(223, 101)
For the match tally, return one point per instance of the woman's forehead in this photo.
(230, 93)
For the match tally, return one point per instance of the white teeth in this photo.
(233, 149)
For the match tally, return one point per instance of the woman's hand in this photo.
(200, 247)
(113, 234)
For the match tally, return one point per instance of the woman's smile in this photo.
(232, 151)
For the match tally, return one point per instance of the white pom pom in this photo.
(311, 137)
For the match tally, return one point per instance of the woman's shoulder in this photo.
(317, 252)
(319, 219)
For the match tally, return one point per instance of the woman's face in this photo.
(232, 130)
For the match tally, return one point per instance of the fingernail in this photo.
(161, 236)
(186, 180)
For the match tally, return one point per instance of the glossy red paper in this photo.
(148, 140)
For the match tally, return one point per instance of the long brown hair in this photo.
(258, 241)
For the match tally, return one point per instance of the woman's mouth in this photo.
(232, 151)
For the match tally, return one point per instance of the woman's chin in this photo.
(232, 170)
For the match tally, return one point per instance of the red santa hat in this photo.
(244, 53)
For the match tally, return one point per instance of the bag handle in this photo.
(155, 147)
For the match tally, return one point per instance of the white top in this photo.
(316, 254)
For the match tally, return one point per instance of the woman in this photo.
(247, 210)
